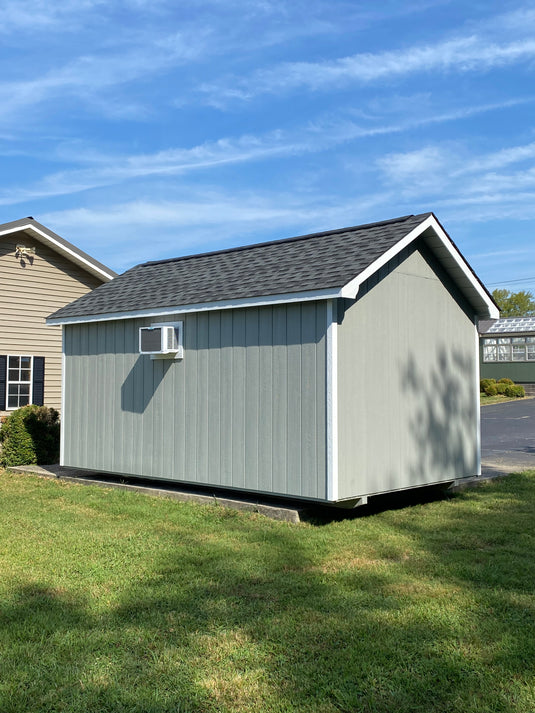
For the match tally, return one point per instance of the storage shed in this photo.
(328, 367)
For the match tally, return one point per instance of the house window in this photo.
(489, 350)
(509, 349)
(19, 381)
(22, 381)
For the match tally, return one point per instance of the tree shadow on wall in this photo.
(443, 426)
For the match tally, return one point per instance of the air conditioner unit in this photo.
(161, 340)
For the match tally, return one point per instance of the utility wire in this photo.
(510, 282)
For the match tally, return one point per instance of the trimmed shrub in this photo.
(506, 381)
(30, 435)
(491, 390)
(501, 388)
(485, 383)
(515, 391)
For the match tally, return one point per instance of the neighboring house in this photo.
(507, 349)
(328, 367)
(39, 272)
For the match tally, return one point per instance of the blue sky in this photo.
(145, 129)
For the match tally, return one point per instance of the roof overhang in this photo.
(261, 301)
(59, 245)
(449, 257)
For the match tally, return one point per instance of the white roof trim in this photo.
(74, 255)
(261, 301)
(351, 289)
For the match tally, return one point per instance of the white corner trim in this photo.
(62, 414)
(59, 247)
(332, 401)
(261, 301)
(477, 398)
(351, 288)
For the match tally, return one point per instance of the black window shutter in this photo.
(38, 386)
(3, 375)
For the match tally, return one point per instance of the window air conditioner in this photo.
(161, 339)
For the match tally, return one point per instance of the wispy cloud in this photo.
(498, 185)
(106, 169)
(463, 54)
(187, 226)
(453, 162)
(88, 76)
(38, 15)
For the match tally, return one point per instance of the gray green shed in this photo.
(328, 367)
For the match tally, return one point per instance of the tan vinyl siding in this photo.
(29, 292)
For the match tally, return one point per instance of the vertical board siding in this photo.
(245, 408)
(406, 361)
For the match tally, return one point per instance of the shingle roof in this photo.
(309, 262)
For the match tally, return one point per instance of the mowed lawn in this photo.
(115, 601)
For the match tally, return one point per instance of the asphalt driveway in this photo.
(508, 436)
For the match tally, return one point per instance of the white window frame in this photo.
(10, 382)
(505, 347)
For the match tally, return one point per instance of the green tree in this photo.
(515, 304)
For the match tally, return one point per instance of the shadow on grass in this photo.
(413, 610)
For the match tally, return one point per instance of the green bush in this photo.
(30, 435)
(506, 381)
(516, 391)
(485, 383)
(491, 390)
(501, 388)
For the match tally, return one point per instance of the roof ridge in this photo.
(267, 243)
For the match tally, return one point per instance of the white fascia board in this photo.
(59, 247)
(332, 402)
(261, 301)
(351, 289)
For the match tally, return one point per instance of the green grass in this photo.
(114, 601)
(485, 400)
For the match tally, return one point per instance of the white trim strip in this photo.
(73, 254)
(332, 402)
(351, 288)
(62, 414)
(477, 398)
(261, 301)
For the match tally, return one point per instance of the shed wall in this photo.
(30, 291)
(407, 359)
(245, 408)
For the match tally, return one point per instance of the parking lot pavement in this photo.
(508, 436)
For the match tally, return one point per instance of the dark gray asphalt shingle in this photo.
(312, 262)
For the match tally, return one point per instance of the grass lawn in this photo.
(485, 400)
(115, 601)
